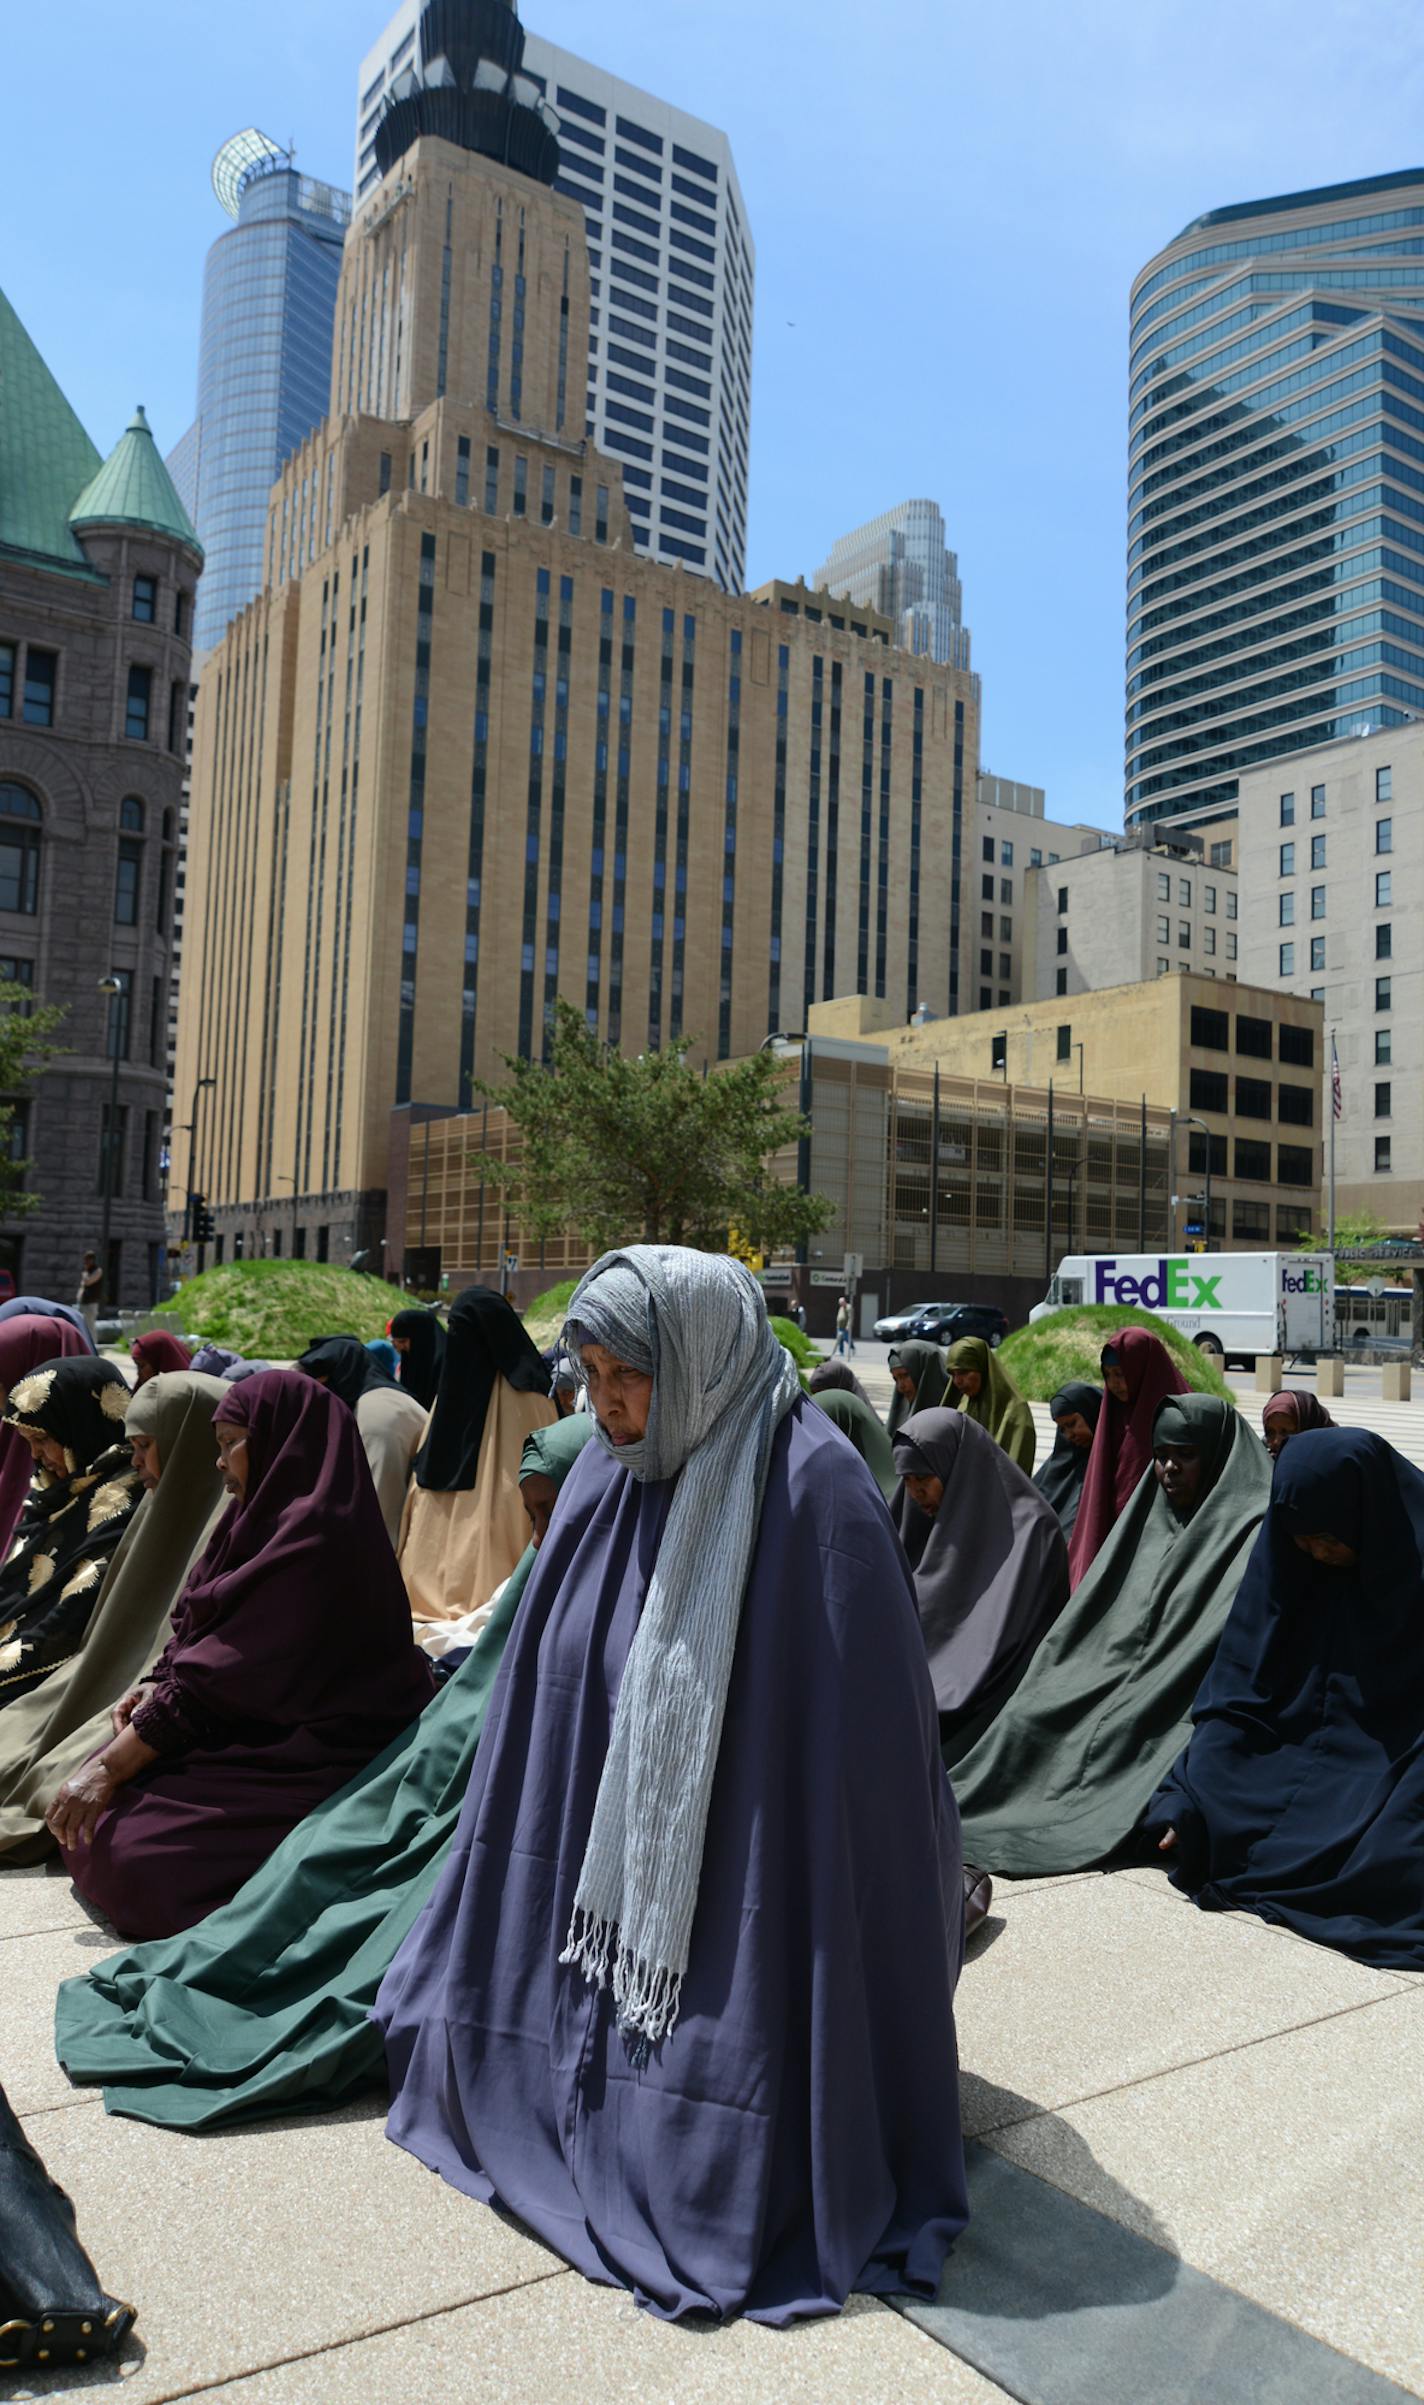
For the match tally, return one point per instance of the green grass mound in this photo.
(1069, 1344)
(272, 1310)
(546, 1314)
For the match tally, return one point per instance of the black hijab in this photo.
(837, 1376)
(420, 1368)
(1060, 1481)
(343, 1365)
(1300, 1794)
(486, 1339)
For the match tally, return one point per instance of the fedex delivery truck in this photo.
(1234, 1305)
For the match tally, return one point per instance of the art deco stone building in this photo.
(469, 751)
(98, 568)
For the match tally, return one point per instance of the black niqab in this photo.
(344, 1367)
(486, 1339)
(421, 1364)
(1300, 1795)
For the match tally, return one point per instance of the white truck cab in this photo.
(1233, 1305)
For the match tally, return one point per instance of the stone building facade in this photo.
(469, 751)
(98, 570)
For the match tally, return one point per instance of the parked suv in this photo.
(900, 1324)
(947, 1324)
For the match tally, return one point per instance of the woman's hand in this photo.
(126, 1707)
(1165, 1844)
(88, 1792)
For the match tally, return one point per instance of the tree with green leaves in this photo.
(27, 1032)
(649, 1149)
(1353, 1232)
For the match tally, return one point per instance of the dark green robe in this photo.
(1062, 1776)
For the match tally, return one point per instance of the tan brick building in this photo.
(468, 751)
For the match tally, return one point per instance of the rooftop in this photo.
(134, 488)
(45, 455)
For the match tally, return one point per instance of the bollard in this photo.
(1395, 1382)
(1329, 1375)
(1270, 1373)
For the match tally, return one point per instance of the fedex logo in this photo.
(1172, 1286)
(1302, 1281)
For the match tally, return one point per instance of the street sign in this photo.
(854, 1268)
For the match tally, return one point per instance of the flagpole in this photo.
(1334, 1115)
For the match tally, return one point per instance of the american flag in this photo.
(1337, 1090)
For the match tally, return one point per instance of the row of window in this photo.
(1184, 937)
(1255, 1098)
(1184, 893)
(1211, 1032)
(35, 681)
(21, 847)
(1250, 1158)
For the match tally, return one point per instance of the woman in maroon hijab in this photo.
(27, 1343)
(1138, 1374)
(157, 1351)
(290, 1667)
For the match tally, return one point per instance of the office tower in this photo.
(1275, 551)
(469, 751)
(674, 273)
(264, 360)
(98, 568)
(901, 565)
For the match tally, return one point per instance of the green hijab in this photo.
(998, 1408)
(265, 2006)
(925, 1363)
(856, 1420)
(47, 1734)
(1061, 1778)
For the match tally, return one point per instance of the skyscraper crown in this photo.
(468, 90)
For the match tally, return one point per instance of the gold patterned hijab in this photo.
(73, 1520)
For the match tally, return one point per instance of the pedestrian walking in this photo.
(91, 1290)
(845, 1342)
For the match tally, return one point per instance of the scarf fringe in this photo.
(647, 1996)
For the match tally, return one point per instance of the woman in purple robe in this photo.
(683, 1997)
(290, 1667)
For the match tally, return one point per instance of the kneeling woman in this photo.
(1301, 1793)
(290, 1665)
(86, 1491)
(1062, 1778)
(683, 1997)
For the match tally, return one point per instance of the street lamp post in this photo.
(193, 1162)
(111, 986)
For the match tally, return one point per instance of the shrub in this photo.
(272, 1310)
(1068, 1344)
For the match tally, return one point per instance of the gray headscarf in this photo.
(721, 1387)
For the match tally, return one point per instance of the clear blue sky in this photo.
(949, 201)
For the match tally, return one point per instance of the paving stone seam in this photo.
(1193, 2062)
(63, 2104)
(11, 1937)
(409, 2321)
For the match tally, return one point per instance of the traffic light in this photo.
(204, 1225)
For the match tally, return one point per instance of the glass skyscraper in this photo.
(1275, 588)
(264, 361)
(900, 564)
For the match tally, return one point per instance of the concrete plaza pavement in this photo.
(1198, 2173)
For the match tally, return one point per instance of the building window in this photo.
(1062, 899)
(1209, 940)
(986, 924)
(1006, 930)
(1287, 809)
(177, 718)
(1286, 909)
(1006, 855)
(1231, 903)
(1384, 1045)
(1220, 855)
(1317, 901)
(462, 472)
(491, 481)
(41, 677)
(1253, 1098)
(986, 964)
(1065, 1043)
(1231, 947)
(1383, 1146)
(1384, 784)
(1209, 900)
(1164, 886)
(1062, 939)
(521, 485)
(1006, 966)
(1317, 954)
(986, 889)
(1295, 1106)
(1184, 935)
(1384, 998)
(1035, 859)
(145, 599)
(1164, 931)
(1210, 1029)
(19, 851)
(14, 971)
(1317, 801)
(1006, 889)
(1384, 834)
(7, 679)
(1184, 893)
(1287, 960)
(1209, 1090)
(998, 1054)
(385, 479)
(139, 705)
(1250, 1223)
(1060, 983)
(1384, 940)
(180, 614)
(131, 815)
(1297, 1046)
(987, 848)
(1382, 1093)
(1383, 892)
(1287, 859)
(1253, 1038)
(1163, 968)
(1317, 851)
(113, 1131)
(546, 500)
(128, 882)
(1253, 1162)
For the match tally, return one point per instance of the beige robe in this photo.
(455, 1549)
(392, 1425)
